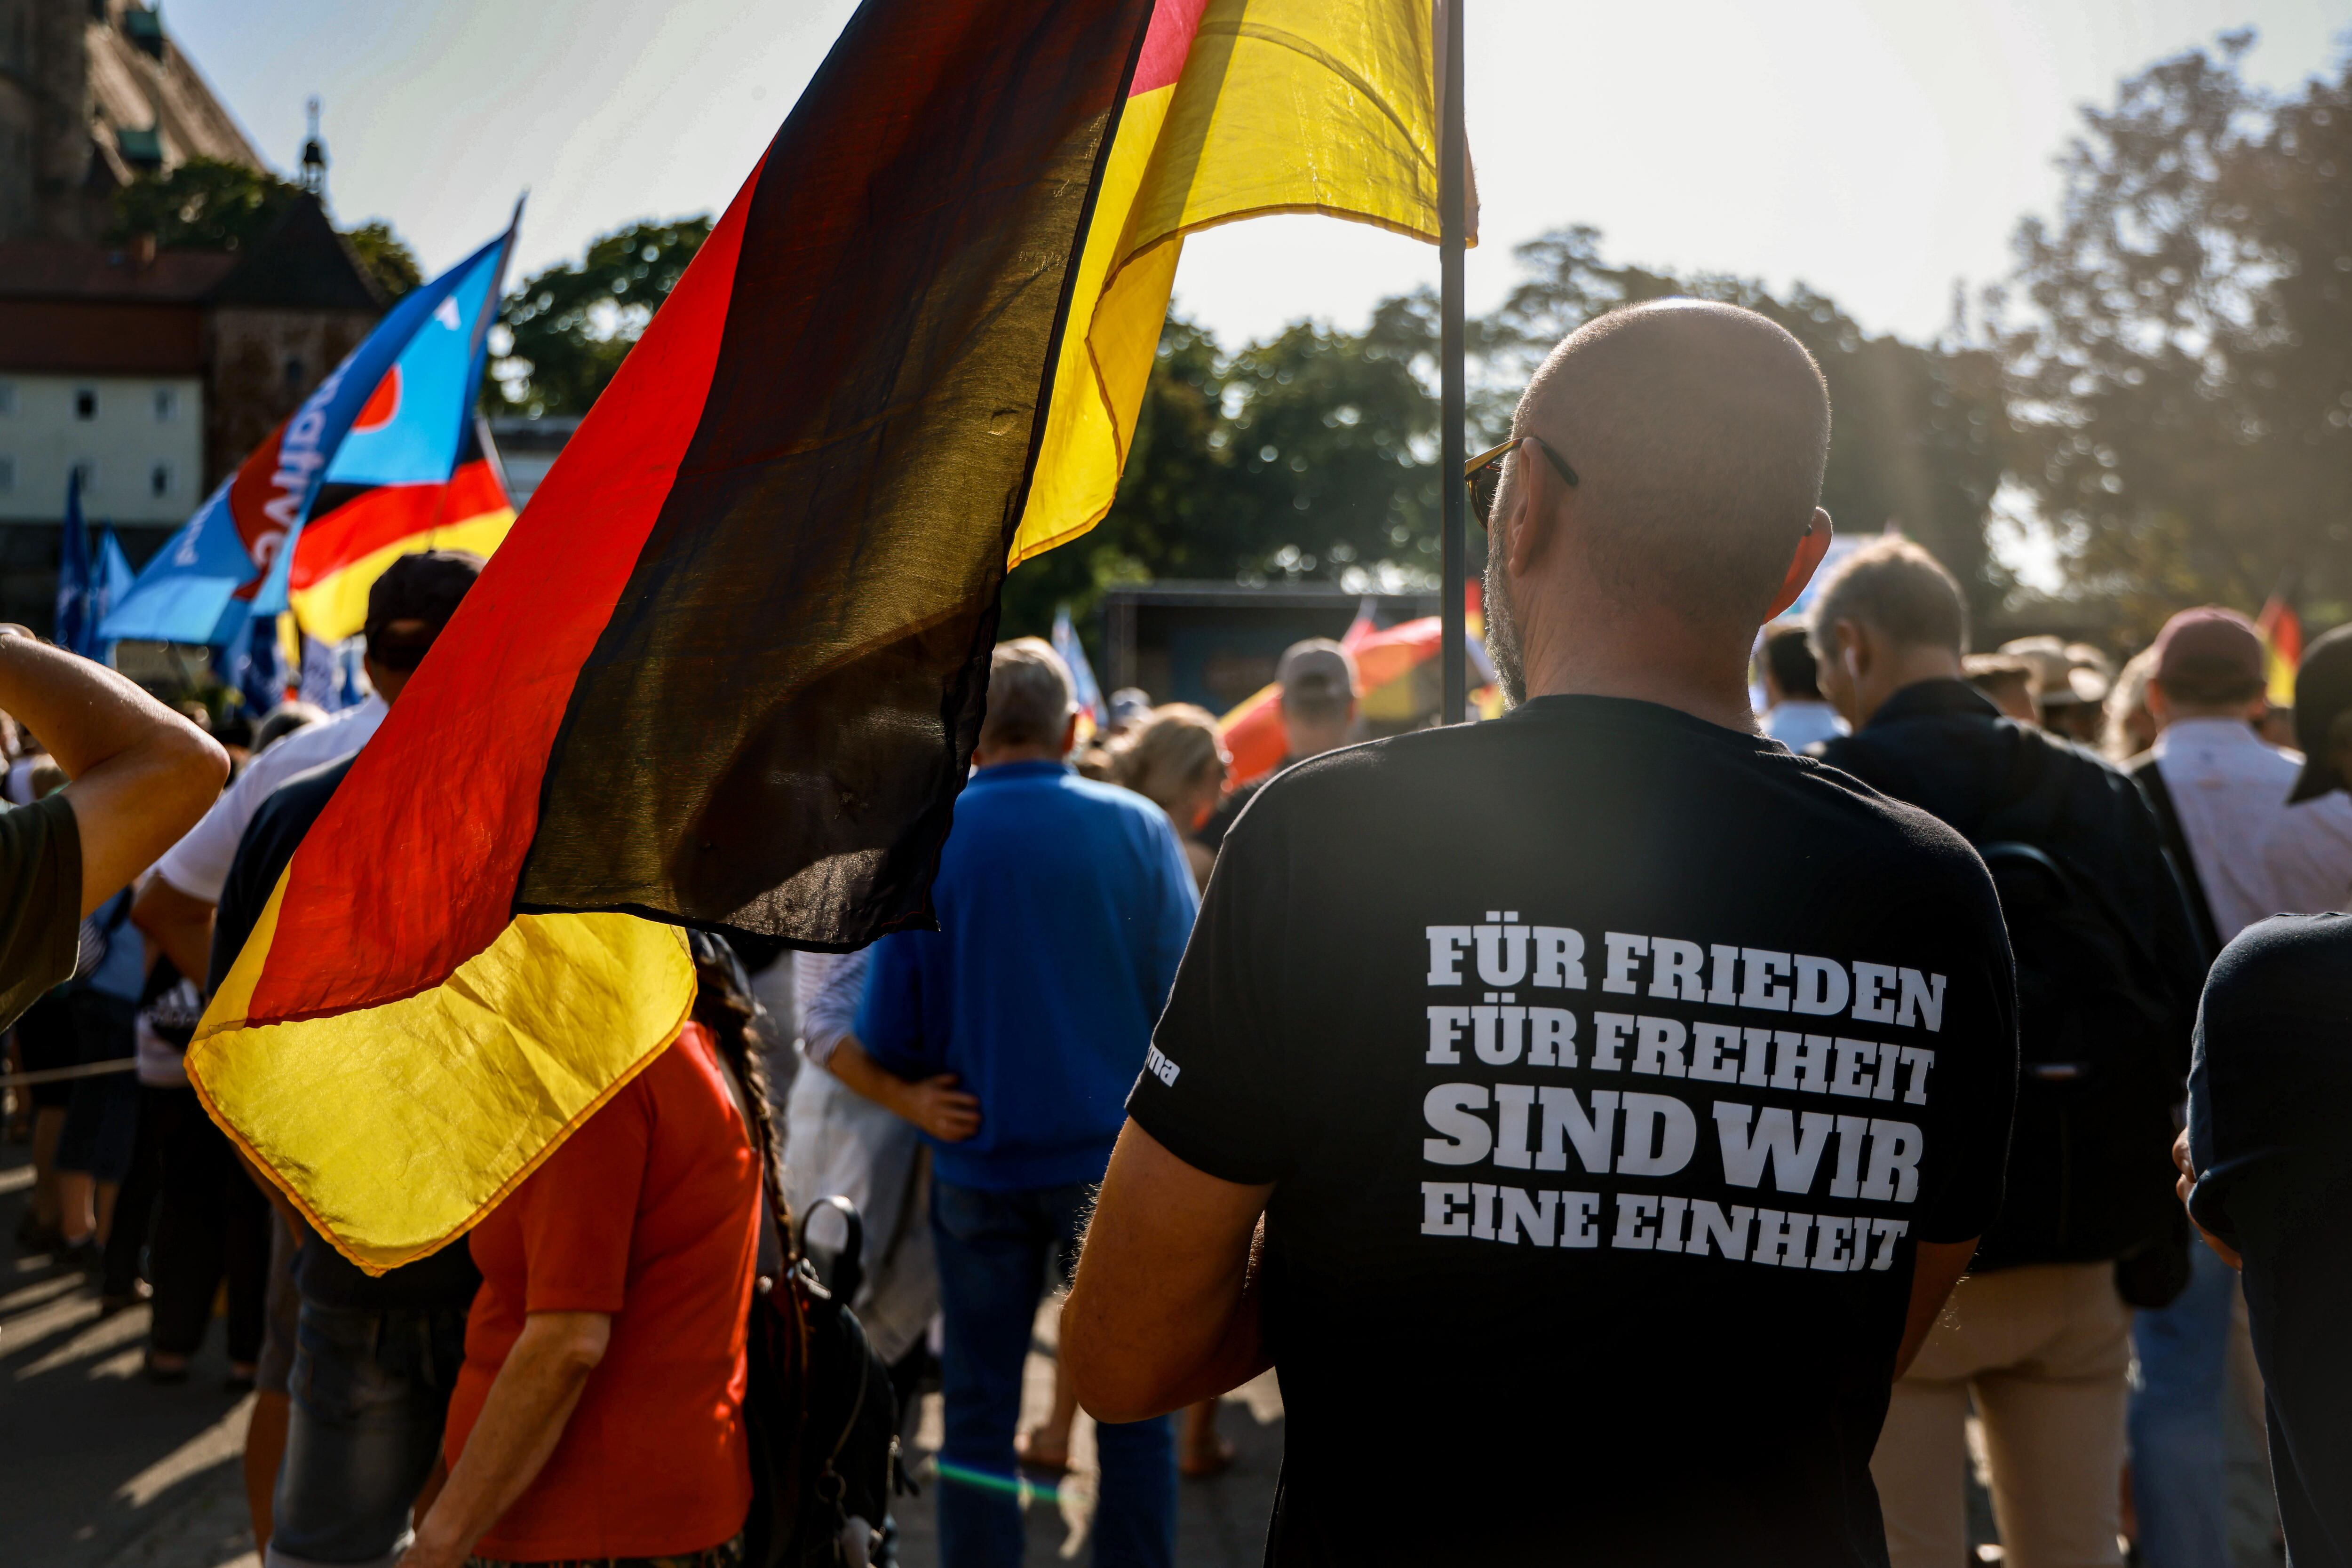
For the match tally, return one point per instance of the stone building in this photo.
(93, 93)
(154, 373)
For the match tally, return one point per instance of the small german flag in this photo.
(2281, 625)
(727, 669)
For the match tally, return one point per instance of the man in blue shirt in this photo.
(1012, 1036)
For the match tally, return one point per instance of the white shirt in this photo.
(2229, 787)
(2308, 856)
(198, 865)
(1801, 721)
(826, 990)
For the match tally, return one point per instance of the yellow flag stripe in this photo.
(395, 1129)
(335, 607)
(1284, 106)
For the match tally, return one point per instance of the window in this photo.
(8, 474)
(85, 469)
(298, 375)
(7, 398)
(159, 480)
(86, 403)
(167, 405)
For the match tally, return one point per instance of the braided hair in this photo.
(724, 1005)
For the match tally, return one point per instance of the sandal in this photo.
(157, 1373)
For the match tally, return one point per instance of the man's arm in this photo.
(1934, 1272)
(1165, 1309)
(142, 774)
(529, 1403)
(181, 924)
(935, 1104)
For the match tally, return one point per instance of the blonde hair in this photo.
(1167, 755)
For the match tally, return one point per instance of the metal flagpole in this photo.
(1453, 162)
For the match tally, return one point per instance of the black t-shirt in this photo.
(1608, 1065)
(446, 1279)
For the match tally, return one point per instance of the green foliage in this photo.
(2180, 364)
(205, 204)
(210, 204)
(386, 258)
(570, 327)
(1313, 455)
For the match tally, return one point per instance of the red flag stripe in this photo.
(387, 515)
(461, 838)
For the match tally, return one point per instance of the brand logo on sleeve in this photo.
(1159, 1067)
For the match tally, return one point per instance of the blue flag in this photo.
(229, 563)
(1082, 675)
(257, 668)
(77, 622)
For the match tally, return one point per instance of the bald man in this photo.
(1591, 1157)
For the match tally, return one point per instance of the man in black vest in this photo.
(2109, 969)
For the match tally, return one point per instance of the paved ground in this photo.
(101, 1470)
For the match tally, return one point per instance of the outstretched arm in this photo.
(1165, 1309)
(142, 774)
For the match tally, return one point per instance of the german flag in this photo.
(727, 670)
(345, 547)
(2281, 625)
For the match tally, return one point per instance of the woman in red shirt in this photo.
(599, 1412)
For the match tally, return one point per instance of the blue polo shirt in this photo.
(1063, 907)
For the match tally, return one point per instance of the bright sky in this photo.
(1876, 149)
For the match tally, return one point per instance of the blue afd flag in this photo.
(1082, 675)
(77, 622)
(114, 574)
(228, 563)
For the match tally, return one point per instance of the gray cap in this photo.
(1317, 673)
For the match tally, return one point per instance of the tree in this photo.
(210, 204)
(217, 205)
(569, 328)
(205, 204)
(1313, 455)
(386, 260)
(1915, 430)
(2180, 364)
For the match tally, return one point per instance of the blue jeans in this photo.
(2179, 1467)
(994, 1251)
(371, 1392)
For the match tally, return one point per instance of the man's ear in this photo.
(1534, 515)
(1803, 564)
(1853, 649)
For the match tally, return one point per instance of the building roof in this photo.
(301, 264)
(150, 107)
(43, 269)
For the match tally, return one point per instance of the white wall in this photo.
(140, 437)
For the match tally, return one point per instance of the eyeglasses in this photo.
(1484, 473)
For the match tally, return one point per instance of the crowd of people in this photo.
(1713, 1106)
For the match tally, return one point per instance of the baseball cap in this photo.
(2323, 693)
(1317, 673)
(2210, 643)
(426, 586)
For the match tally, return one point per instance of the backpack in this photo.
(822, 1418)
(2090, 1174)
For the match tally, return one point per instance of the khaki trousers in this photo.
(2044, 1351)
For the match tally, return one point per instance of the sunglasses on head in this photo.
(1484, 473)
